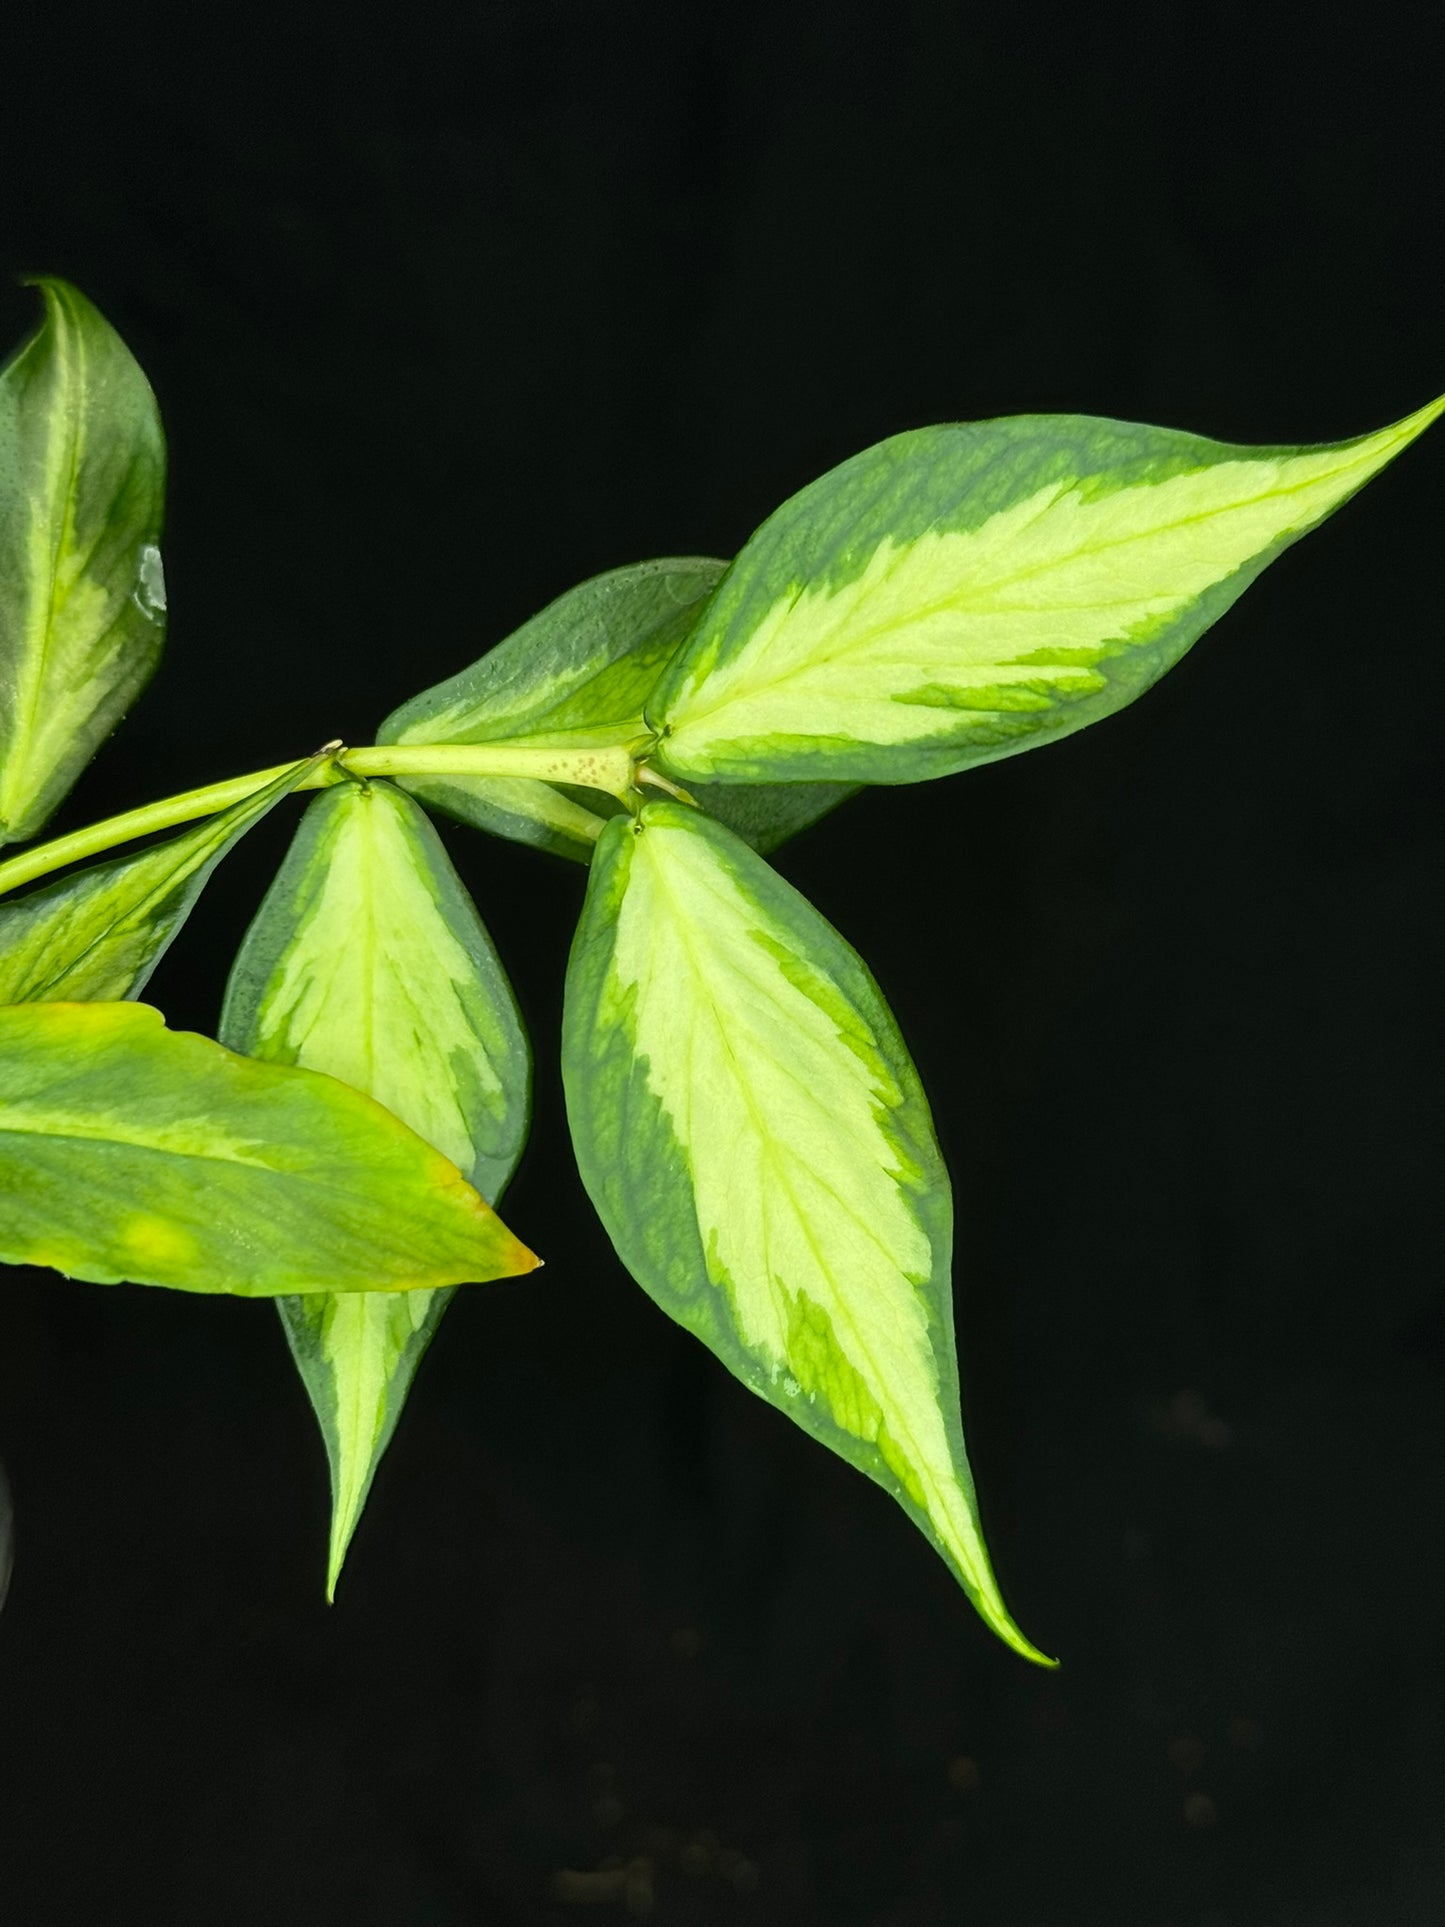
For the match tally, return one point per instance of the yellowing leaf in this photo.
(128, 1151)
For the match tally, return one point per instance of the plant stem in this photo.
(609, 769)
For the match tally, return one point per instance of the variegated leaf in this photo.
(99, 933)
(575, 675)
(961, 593)
(128, 1151)
(82, 598)
(368, 960)
(754, 1136)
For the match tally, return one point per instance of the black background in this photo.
(448, 310)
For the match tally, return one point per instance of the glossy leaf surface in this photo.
(754, 1136)
(577, 674)
(128, 1151)
(82, 598)
(368, 961)
(962, 593)
(98, 934)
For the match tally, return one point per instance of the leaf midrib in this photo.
(860, 639)
(769, 1146)
(144, 1147)
(969, 1545)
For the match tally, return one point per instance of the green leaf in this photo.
(99, 933)
(575, 675)
(128, 1151)
(962, 593)
(368, 961)
(754, 1136)
(82, 598)
(767, 815)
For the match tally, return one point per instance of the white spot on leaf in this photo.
(150, 588)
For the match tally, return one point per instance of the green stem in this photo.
(609, 769)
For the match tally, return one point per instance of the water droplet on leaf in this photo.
(150, 585)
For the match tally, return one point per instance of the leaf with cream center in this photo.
(961, 593)
(82, 597)
(368, 960)
(578, 674)
(753, 1133)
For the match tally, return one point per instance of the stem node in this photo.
(609, 767)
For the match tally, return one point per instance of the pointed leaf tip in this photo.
(752, 1131)
(368, 960)
(961, 593)
(129, 1151)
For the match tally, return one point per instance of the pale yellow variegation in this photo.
(363, 1354)
(348, 981)
(82, 592)
(819, 1202)
(795, 1186)
(368, 961)
(976, 640)
(371, 961)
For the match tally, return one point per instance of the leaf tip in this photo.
(1423, 417)
(1026, 1649)
(507, 1257)
(343, 1525)
(997, 1617)
(1399, 435)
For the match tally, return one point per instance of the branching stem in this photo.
(610, 768)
